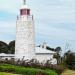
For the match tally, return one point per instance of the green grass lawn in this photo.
(68, 72)
(4, 73)
(24, 70)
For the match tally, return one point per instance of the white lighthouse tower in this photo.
(25, 40)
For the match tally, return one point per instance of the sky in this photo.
(54, 21)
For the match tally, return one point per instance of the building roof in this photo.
(7, 55)
(40, 50)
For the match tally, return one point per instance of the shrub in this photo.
(7, 68)
(58, 69)
(70, 60)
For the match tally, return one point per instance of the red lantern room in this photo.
(24, 9)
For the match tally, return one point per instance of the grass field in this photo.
(3, 73)
(68, 72)
(24, 70)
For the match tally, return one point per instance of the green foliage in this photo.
(7, 48)
(12, 47)
(50, 48)
(7, 68)
(70, 60)
(58, 49)
(4, 73)
(24, 70)
(3, 47)
(58, 54)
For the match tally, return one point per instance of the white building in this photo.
(6, 56)
(25, 39)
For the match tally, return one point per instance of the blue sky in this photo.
(54, 21)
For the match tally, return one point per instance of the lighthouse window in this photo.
(28, 12)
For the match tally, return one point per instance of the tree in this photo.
(8, 49)
(58, 54)
(70, 59)
(58, 50)
(3, 47)
(48, 48)
(12, 47)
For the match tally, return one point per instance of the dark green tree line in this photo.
(7, 48)
(69, 59)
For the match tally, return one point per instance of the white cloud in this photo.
(55, 33)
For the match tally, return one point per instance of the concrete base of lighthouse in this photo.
(42, 55)
(24, 57)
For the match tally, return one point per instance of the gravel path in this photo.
(68, 72)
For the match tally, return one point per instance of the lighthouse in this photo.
(25, 38)
(25, 48)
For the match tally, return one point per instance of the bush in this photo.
(7, 68)
(70, 60)
(58, 69)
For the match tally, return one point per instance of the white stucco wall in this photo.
(25, 39)
(42, 58)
